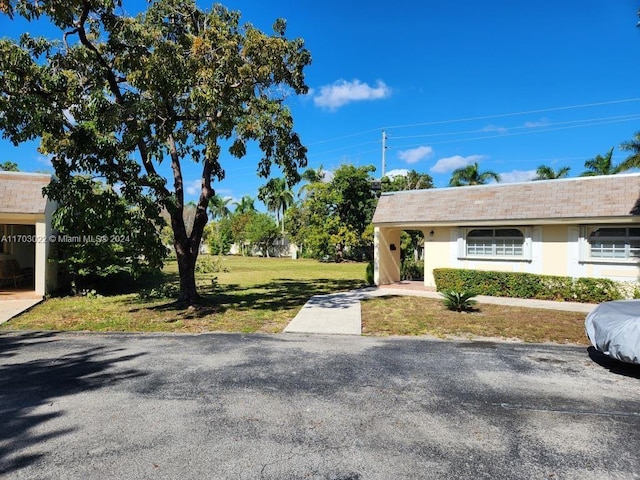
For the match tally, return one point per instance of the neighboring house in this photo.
(25, 227)
(577, 227)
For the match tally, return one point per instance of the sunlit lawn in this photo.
(426, 316)
(255, 295)
(264, 294)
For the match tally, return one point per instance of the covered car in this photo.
(614, 329)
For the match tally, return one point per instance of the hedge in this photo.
(527, 285)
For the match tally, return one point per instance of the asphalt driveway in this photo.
(220, 406)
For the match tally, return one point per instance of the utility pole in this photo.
(384, 150)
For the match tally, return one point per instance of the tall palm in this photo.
(277, 196)
(219, 207)
(603, 165)
(245, 205)
(311, 176)
(471, 175)
(633, 146)
(545, 172)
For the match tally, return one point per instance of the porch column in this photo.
(40, 265)
(386, 255)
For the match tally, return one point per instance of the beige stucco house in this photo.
(577, 227)
(25, 227)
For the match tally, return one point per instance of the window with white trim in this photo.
(615, 243)
(495, 242)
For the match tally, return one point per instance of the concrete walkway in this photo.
(11, 308)
(340, 313)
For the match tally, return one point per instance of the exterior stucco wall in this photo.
(386, 261)
(555, 250)
(437, 252)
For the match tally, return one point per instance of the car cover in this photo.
(614, 329)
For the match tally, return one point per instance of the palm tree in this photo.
(310, 176)
(545, 172)
(600, 165)
(277, 196)
(245, 205)
(471, 175)
(218, 206)
(633, 145)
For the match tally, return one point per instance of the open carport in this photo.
(77, 406)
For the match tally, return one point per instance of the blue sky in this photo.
(509, 84)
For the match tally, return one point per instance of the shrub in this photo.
(528, 285)
(207, 264)
(411, 270)
(368, 275)
(458, 301)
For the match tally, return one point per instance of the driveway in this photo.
(222, 406)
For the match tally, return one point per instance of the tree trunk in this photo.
(186, 268)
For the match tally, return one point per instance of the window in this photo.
(616, 243)
(495, 242)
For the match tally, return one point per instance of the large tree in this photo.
(471, 175)
(115, 96)
(334, 219)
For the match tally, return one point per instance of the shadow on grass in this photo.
(279, 294)
(29, 388)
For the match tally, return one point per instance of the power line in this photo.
(501, 115)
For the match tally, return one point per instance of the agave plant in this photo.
(458, 301)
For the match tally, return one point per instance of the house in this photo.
(577, 227)
(25, 228)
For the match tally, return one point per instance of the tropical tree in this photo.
(334, 220)
(603, 165)
(633, 146)
(9, 167)
(471, 175)
(310, 176)
(277, 196)
(246, 204)
(544, 172)
(121, 94)
(261, 231)
(411, 181)
(219, 207)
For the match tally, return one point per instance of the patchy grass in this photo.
(263, 295)
(396, 315)
(255, 295)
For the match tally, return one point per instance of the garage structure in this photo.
(25, 227)
(576, 227)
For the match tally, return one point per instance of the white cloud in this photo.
(416, 154)
(193, 187)
(398, 172)
(449, 164)
(542, 123)
(517, 176)
(343, 92)
(494, 128)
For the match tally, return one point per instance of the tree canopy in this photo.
(118, 97)
(9, 167)
(471, 175)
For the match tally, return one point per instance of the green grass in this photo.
(425, 316)
(255, 295)
(263, 295)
